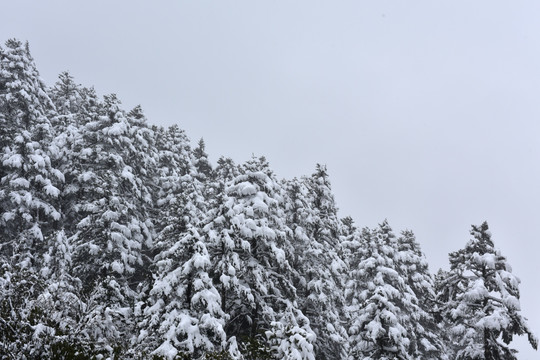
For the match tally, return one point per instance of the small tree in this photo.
(201, 162)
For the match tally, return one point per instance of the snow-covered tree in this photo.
(291, 336)
(298, 217)
(29, 189)
(248, 241)
(482, 301)
(69, 142)
(184, 315)
(60, 299)
(348, 232)
(29, 183)
(66, 96)
(201, 162)
(381, 304)
(424, 332)
(323, 268)
(112, 227)
(143, 152)
(174, 175)
(226, 170)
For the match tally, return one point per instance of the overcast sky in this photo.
(425, 112)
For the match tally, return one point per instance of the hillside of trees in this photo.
(119, 240)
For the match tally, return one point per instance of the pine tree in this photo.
(291, 336)
(29, 183)
(298, 217)
(348, 232)
(67, 98)
(201, 162)
(60, 299)
(248, 242)
(424, 332)
(226, 170)
(224, 248)
(70, 142)
(144, 154)
(381, 304)
(482, 301)
(324, 269)
(108, 191)
(142, 161)
(29, 189)
(175, 175)
(112, 227)
(184, 315)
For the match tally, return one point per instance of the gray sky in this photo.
(425, 112)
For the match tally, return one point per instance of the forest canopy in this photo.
(119, 240)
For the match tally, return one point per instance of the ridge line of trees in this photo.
(118, 240)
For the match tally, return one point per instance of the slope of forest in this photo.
(119, 240)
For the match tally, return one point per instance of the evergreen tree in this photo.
(348, 232)
(381, 304)
(29, 185)
(142, 160)
(60, 300)
(70, 143)
(67, 98)
(175, 175)
(185, 315)
(201, 162)
(291, 336)
(29, 189)
(298, 216)
(112, 227)
(108, 191)
(225, 171)
(424, 332)
(441, 299)
(324, 269)
(482, 301)
(248, 242)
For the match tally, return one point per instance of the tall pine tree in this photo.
(482, 301)
(29, 190)
(424, 332)
(381, 304)
(323, 268)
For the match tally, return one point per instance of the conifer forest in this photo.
(121, 240)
